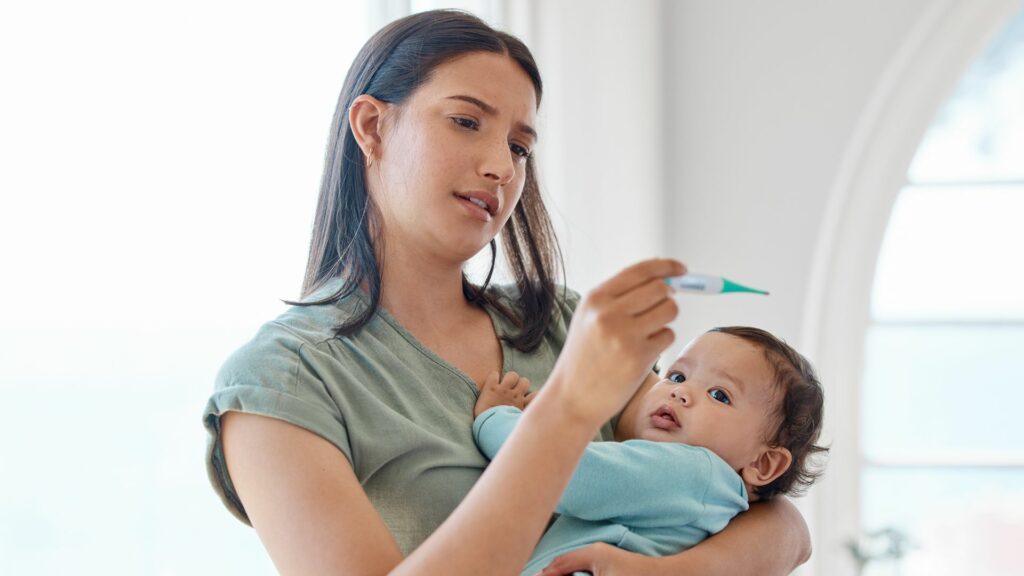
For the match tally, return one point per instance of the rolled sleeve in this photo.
(273, 375)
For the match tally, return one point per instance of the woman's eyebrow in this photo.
(492, 111)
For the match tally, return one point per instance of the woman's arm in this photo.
(771, 538)
(308, 508)
(303, 499)
(631, 413)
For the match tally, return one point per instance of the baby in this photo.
(735, 419)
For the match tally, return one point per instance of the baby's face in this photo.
(718, 395)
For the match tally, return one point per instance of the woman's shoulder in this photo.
(280, 345)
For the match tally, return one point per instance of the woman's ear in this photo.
(364, 117)
(769, 465)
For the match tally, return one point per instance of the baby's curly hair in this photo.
(799, 413)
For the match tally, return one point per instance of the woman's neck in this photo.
(422, 291)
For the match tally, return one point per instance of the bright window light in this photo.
(942, 441)
(161, 163)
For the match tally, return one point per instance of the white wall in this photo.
(766, 98)
(709, 131)
(601, 131)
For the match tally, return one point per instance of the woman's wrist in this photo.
(571, 411)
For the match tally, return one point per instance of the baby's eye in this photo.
(677, 377)
(519, 150)
(467, 123)
(719, 395)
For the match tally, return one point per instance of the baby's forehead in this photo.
(721, 348)
(731, 358)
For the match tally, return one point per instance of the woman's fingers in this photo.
(662, 339)
(599, 559)
(646, 296)
(659, 315)
(581, 559)
(653, 312)
(640, 273)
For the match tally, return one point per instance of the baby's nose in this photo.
(681, 395)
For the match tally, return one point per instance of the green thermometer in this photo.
(708, 284)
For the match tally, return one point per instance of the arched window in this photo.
(941, 431)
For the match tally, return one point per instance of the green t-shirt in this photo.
(401, 415)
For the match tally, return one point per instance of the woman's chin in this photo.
(475, 253)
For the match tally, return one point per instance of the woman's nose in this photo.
(499, 165)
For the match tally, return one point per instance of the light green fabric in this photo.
(401, 415)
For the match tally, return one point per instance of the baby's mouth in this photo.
(665, 418)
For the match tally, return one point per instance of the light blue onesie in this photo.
(653, 498)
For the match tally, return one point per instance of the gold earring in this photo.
(369, 159)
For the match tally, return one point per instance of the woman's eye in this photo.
(466, 123)
(519, 151)
(719, 395)
(677, 377)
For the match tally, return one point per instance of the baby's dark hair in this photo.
(799, 413)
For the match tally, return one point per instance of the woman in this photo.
(342, 430)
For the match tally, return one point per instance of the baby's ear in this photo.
(769, 465)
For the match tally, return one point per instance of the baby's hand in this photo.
(510, 391)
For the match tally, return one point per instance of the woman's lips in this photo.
(474, 209)
(665, 418)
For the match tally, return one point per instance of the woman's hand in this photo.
(600, 560)
(617, 333)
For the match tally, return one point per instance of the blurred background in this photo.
(861, 159)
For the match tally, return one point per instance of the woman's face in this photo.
(452, 162)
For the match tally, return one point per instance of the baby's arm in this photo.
(637, 483)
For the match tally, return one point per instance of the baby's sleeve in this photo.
(492, 428)
(274, 375)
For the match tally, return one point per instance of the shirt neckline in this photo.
(496, 324)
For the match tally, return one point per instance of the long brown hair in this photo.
(390, 66)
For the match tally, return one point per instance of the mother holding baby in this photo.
(342, 431)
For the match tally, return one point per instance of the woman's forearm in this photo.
(770, 539)
(507, 505)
